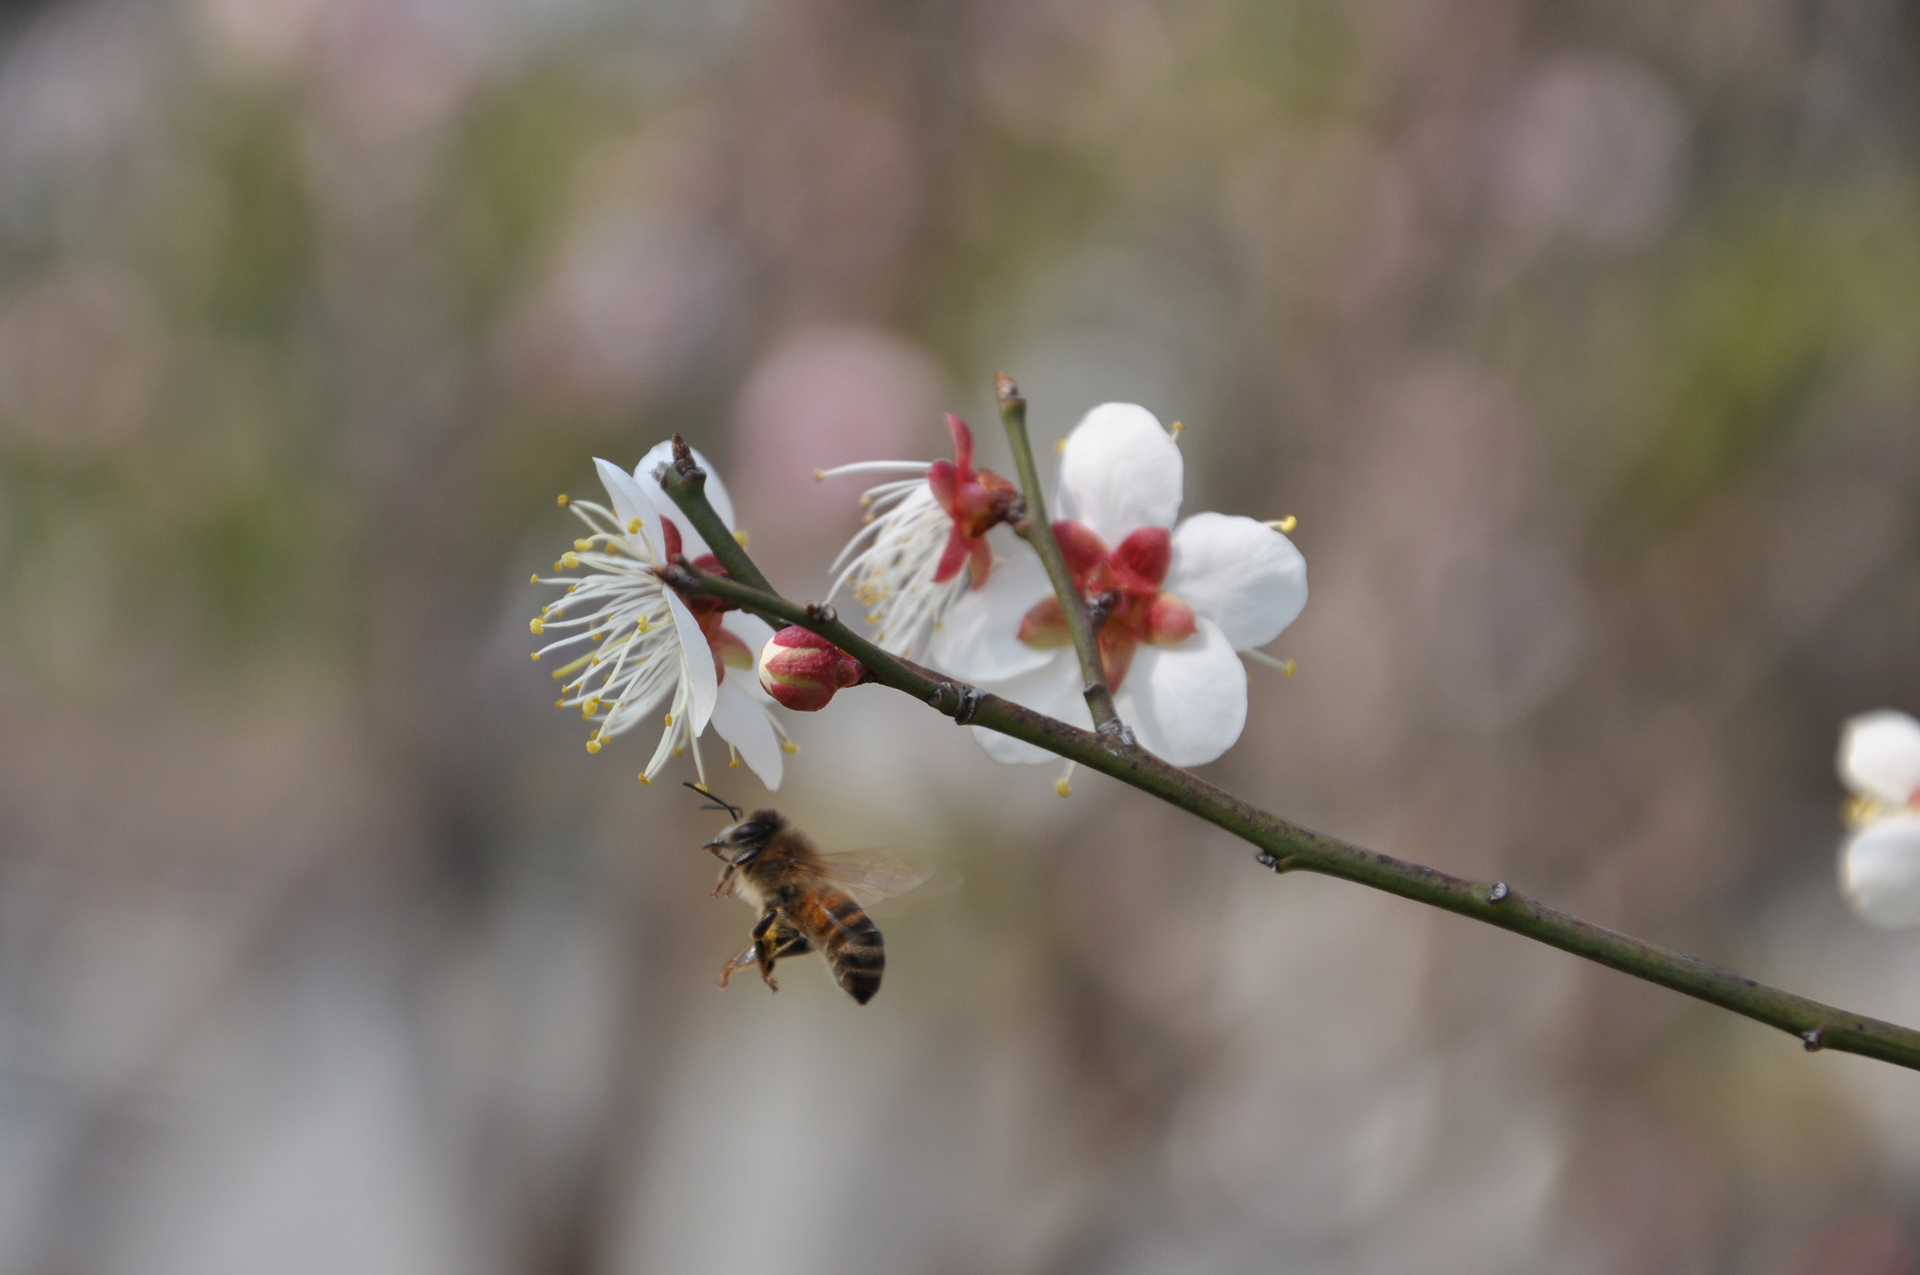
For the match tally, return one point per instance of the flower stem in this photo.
(1287, 846)
(1037, 531)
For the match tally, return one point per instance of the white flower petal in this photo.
(1120, 471)
(1186, 703)
(1241, 574)
(979, 637)
(630, 504)
(742, 721)
(697, 660)
(691, 542)
(1880, 756)
(1880, 871)
(756, 633)
(751, 629)
(1053, 689)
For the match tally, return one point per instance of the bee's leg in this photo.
(740, 960)
(788, 942)
(725, 885)
(765, 936)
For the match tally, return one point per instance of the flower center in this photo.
(1121, 587)
(976, 500)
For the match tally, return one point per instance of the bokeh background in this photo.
(1581, 338)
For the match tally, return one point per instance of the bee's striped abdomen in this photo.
(850, 941)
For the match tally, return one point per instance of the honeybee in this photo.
(808, 901)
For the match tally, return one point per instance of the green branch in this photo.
(1285, 846)
(1037, 531)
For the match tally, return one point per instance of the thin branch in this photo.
(1286, 846)
(1037, 531)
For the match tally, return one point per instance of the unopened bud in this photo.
(802, 670)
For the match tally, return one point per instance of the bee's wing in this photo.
(871, 875)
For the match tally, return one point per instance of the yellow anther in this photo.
(583, 545)
(573, 588)
(1859, 811)
(536, 626)
(534, 578)
(740, 536)
(640, 625)
(819, 475)
(642, 777)
(633, 526)
(669, 719)
(559, 703)
(563, 500)
(1288, 667)
(1179, 427)
(1060, 786)
(788, 746)
(593, 745)
(678, 751)
(864, 521)
(569, 559)
(536, 656)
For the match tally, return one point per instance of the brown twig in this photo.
(1282, 845)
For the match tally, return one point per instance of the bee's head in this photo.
(746, 839)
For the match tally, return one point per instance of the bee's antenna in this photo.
(717, 802)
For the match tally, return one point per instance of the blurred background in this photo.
(1580, 337)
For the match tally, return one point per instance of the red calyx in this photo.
(1124, 584)
(802, 670)
(976, 499)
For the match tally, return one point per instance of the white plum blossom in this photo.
(653, 649)
(1880, 863)
(1181, 602)
(905, 565)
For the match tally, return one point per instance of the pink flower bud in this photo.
(802, 670)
